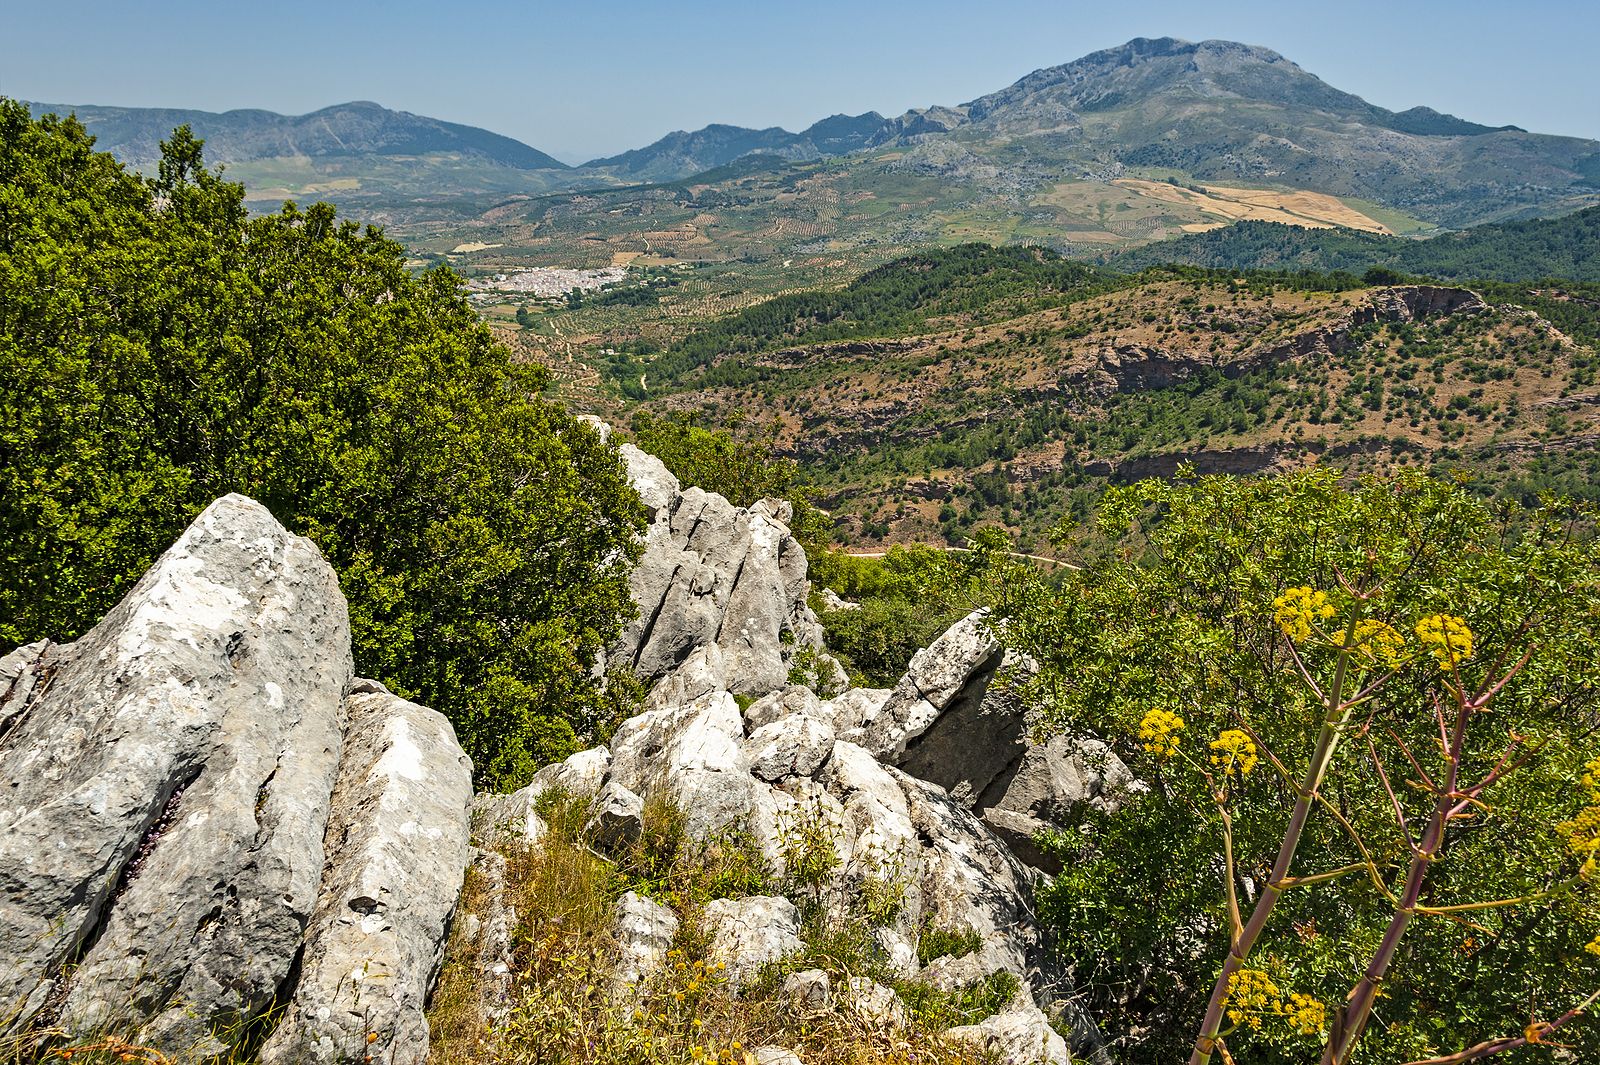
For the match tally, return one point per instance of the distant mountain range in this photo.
(1195, 115)
(134, 134)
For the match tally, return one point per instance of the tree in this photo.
(1368, 717)
(162, 348)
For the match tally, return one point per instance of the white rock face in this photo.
(874, 1003)
(397, 847)
(748, 933)
(808, 991)
(714, 576)
(643, 930)
(190, 803)
(1020, 1036)
(166, 790)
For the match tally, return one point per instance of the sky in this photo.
(586, 78)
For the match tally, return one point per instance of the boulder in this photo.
(397, 852)
(958, 664)
(748, 933)
(618, 818)
(203, 816)
(643, 930)
(714, 575)
(1020, 1036)
(790, 746)
(956, 719)
(166, 782)
(874, 1003)
(808, 991)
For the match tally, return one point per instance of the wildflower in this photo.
(1306, 1015)
(1158, 732)
(1593, 946)
(1591, 780)
(1447, 636)
(1251, 993)
(1377, 641)
(1583, 832)
(1297, 610)
(1233, 752)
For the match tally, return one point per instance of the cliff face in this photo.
(209, 827)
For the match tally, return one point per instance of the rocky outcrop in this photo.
(721, 590)
(397, 853)
(780, 775)
(956, 720)
(168, 864)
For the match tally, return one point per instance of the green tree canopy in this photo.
(160, 347)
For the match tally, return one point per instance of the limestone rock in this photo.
(1020, 1036)
(808, 991)
(777, 1056)
(397, 851)
(643, 930)
(791, 746)
(748, 933)
(874, 1003)
(618, 817)
(166, 783)
(714, 575)
(959, 662)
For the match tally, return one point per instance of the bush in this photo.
(161, 348)
(1305, 673)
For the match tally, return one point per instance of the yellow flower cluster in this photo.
(733, 1052)
(1306, 1015)
(1297, 610)
(1447, 636)
(1233, 752)
(1593, 946)
(1158, 731)
(1376, 640)
(1251, 996)
(1591, 780)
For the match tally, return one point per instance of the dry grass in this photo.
(564, 1007)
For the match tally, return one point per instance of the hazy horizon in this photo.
(580, 82)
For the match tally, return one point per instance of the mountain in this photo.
(1219, 111)
(134, 134)
(1527, 250)
(1125, 147)
(682, 154)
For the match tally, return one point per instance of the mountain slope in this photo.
(682, 153)
(134, 134)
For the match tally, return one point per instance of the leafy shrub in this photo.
(1294, 665)
(161, 348)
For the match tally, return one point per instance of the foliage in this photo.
(1182, 642)
(891, 299)
(902, 602)
(1525, 250)
(161, 348)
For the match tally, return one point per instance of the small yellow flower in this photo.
(1376, 641)
(1593, 946)
(1591, 780)
(1158, 732)
(1233, 752)
(1447, 636)
(1583, 832)
(1297, 610)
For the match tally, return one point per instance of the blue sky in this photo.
(585, 78)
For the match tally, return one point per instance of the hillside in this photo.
(1008, 385)
(1567, 247)
(683, 154)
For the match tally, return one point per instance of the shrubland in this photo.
(1368, 718)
